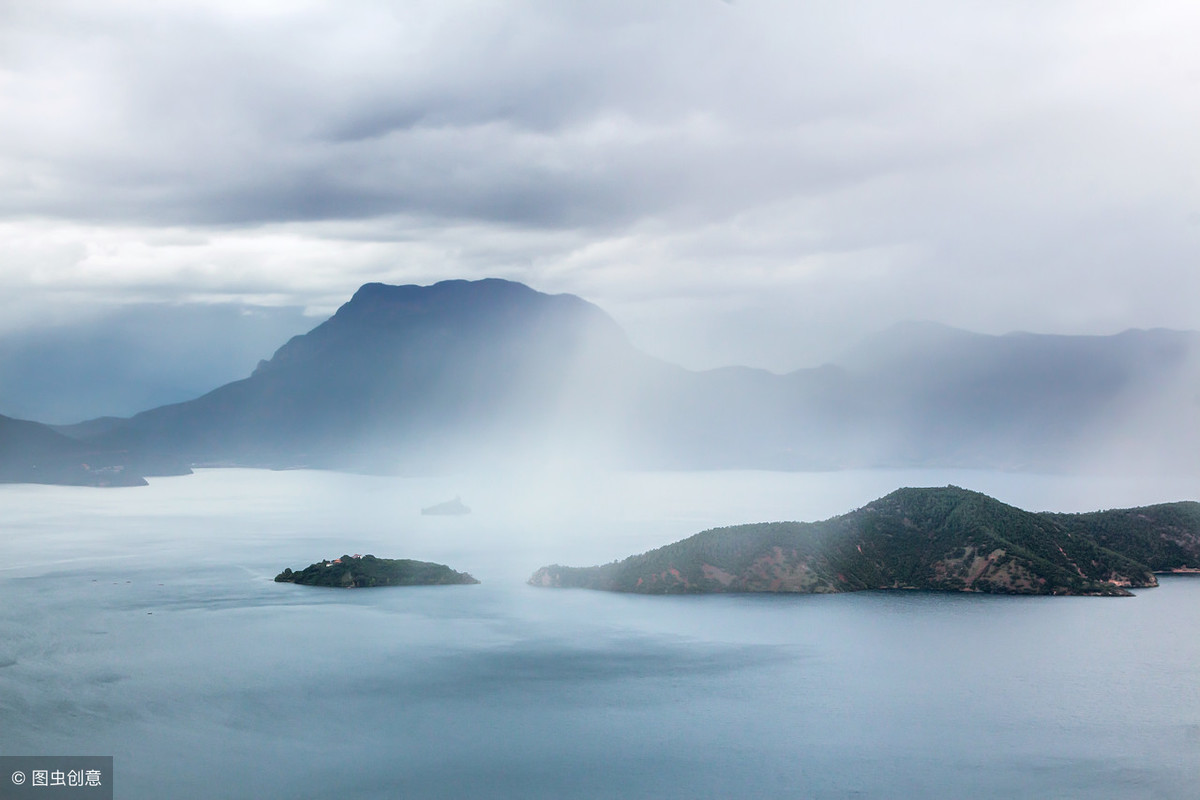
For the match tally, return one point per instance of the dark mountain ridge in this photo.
(121, 360)
(33, 453)
(401, 376)
(491, 372)
(1029, 401)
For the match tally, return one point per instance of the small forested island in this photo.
(359, 572)
(940, 539)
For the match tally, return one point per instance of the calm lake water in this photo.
(144, 624)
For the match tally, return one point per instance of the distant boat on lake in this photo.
(448, 508)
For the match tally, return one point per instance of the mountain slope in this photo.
(939, 396)
(466, 373)
(947, 539)
(123, 360)
(408, 374)
(33, 453)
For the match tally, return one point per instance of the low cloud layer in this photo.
(752, 182)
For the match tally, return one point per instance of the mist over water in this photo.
(144, 624)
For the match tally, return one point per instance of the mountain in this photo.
(33, 453)
(493, 373)
(1029, 401)
(946, 539)
(124, 360)
(411, 377)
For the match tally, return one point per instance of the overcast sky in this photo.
(736, 182)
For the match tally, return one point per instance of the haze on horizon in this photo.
(744, 182)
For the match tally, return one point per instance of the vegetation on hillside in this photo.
(358, 572)
(1164, 537)
(943, 539)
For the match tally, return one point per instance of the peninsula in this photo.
(939, 539)
(359, 572)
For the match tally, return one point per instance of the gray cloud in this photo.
(836, 166)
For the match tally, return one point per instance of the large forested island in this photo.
(359, 572)
(940, 539)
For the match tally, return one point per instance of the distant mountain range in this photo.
(33, 453)
(124, 360)
(943, 539)
(491, 372)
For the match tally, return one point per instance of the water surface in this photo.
(144, 624)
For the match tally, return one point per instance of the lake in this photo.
(144, 624)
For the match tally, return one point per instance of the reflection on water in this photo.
(144, 624)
